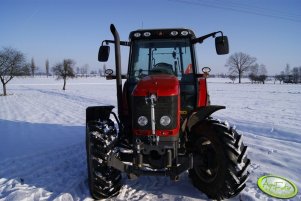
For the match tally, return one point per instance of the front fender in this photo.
(95, 113)
(200, 114)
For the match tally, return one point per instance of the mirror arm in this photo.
(123, 43)
(202, 38)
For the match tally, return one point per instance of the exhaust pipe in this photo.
(118, 69)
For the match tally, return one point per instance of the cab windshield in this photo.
(160, 56)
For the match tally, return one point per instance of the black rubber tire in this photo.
(220, 161)
(104, 181)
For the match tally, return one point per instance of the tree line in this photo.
(243, 65)
(289, 75)
(13, 63)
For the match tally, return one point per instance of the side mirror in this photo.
(221, 45)
(103, 53)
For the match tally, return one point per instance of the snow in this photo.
(42, 138)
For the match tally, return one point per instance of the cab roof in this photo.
(141, 34)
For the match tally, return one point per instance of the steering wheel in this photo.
(162, 68)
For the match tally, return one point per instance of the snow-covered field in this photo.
(42, 134)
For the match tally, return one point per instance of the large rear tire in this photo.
(220, 161)
(104, 181)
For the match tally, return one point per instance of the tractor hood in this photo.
(161, 85)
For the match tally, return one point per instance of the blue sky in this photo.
(269, 30)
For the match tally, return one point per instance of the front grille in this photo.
(165, 105)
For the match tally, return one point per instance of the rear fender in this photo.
(95, 113)
(200, 114)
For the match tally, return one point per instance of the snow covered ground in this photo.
(42, 134)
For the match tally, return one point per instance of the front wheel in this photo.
(104, 181)
(220, 161)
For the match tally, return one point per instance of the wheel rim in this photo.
(206, 163)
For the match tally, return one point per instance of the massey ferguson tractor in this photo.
(163, 126)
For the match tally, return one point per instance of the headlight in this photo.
(165, 120)
(142, 121)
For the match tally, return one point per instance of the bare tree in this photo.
(239, 63)
(281, 77)
(287, 70)
(232, 77)
(295, 75)
(47, 67)
(277, 77)
(12, 63)
(299, 74)
(64, 70)
(262, 74)
(25, 70)
(77, 71)
(253, 72)
(33, 67)
(287, 73)
(258, 73)
(93, 72)
(84, 70)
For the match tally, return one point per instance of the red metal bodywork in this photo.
(161, 85)
(202, 93)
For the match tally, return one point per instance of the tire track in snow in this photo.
(47, 106)
(160, 188)
(141, 188)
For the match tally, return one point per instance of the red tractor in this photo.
(164, 125)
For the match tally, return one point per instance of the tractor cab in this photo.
(165, 52)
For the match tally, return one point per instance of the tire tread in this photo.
(236, 173)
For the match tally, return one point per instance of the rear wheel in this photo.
(220, 162)
(104, 181)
